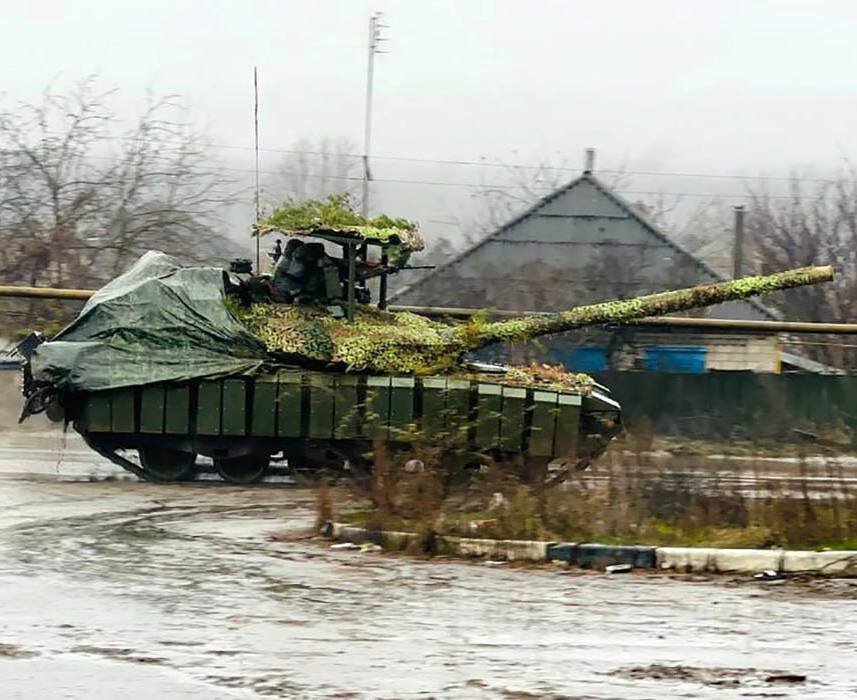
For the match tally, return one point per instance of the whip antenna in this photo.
(256, 134)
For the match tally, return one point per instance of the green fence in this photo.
(735, 404)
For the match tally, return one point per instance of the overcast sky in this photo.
(725, 86)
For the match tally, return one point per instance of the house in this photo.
(582, 244)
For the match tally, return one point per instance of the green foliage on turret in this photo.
(338, 213)
(376, 340)
(384, 342)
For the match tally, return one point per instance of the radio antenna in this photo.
(256, 135)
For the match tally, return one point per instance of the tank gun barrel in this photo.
(704, 324)
(651, 305)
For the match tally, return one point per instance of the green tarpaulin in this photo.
(157, 322)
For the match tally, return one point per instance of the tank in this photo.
(169, 363)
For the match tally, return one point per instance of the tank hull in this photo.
(318, 420)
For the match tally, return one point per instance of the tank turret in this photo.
(378, 341)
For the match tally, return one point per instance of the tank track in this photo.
(321, 421)
(593, 444)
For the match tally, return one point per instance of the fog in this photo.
(739, 88)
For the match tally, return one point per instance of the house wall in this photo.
(754, 354)
(596, 350)
(722, 352)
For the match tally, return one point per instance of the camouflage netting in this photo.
(384, 342)
(537, 376)
(337, 214)
(377, 340)
(528, 327)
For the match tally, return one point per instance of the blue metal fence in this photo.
(675, 358)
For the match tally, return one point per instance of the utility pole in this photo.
(375, 40)
(738, 250)
(256, 150)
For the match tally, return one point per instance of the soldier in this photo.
(323, 277)
(276, 253)
(286, 282)
(306, 273)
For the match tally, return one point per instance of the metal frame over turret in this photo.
(395, 244)
(334, 219)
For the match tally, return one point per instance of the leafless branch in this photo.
(80, 199)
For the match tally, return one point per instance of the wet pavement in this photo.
(122, 589)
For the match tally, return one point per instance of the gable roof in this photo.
(631, 211)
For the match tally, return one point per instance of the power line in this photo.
(569, 169)
(545, 187)
(484, 162)
(479, 185)
(493, 186)
(529, 166)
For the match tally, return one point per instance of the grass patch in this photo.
(738, 506)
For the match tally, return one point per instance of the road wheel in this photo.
(246, 469)
(167, 464)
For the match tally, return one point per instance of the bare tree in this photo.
(80, 199)
(317, 169)
(660, 209)
(815, 224)
(506, 189)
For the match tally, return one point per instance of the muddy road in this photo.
(120, 589)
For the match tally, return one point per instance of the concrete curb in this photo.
(507, 550)
(388, 539)
(599, 556)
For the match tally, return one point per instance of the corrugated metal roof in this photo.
(705, 269)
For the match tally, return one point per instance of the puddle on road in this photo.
(135, 590)
(13, 651)
(717, 677)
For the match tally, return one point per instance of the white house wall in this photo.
(754, 354)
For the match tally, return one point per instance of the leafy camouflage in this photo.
(376, 340)
(337, 215)
(537, 376)
(384, 342)
(528, 327)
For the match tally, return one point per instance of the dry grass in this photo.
(626, 501)
(668, 508)
(324, 508)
